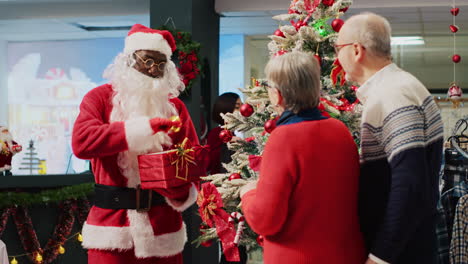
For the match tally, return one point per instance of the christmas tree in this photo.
(309, 26)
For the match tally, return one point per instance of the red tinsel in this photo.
(188, 66)
(336, 72)
(4, 219)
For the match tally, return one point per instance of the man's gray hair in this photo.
(373, 32)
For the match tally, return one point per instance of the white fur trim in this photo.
(138, 133)
(147, 41)
(149, 245)
(191, 199)
(106, 237)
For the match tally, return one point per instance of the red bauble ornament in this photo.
(270, 125)
(279, 33)
(456, 58)
(455, 11)
(234, 176)
(260, 240)
(344, 9)
(328, 2)
(300, 24)
(453, 28)
(225, 135)
(318, 59)
(246, 110)
(337, 24)
(281, 52)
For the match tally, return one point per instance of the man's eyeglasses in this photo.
(149, 63)
(338, 47)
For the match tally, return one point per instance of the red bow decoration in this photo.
(336, 72)
(255, 162)
(212, 213)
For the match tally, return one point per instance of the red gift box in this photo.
(173, 168)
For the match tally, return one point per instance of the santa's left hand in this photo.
(17, 148)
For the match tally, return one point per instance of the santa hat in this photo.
(143, 38)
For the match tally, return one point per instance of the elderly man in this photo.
(117, 122)
(401, 146)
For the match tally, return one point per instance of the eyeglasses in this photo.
(149, 63)
(338, 47)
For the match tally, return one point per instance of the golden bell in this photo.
(79, 238)
(174, 128)
(61, 250)
(14, 261)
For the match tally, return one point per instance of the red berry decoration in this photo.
(337, 24)
(456, 58)
(246, 110)
(225, 135)
(234, 176)
(328, 2)
(453, 28)
(344, 9)
(281, 52)
(270, 125)
(279, 33)
(260, 240)
(455, 11)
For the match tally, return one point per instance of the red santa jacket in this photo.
(157, 233)
(305, 203)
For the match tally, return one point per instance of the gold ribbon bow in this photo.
(208, 210)
(183, 159)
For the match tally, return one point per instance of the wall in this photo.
(3, 84)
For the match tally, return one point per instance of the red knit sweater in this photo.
(305, 204)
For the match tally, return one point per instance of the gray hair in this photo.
(297, 76)
(373, 32)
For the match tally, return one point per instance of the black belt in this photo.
(113, 197)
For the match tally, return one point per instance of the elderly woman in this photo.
(305, 202)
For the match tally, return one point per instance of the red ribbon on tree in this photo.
(212, 213)
(336, 72)
(310, 7)
(255, 162)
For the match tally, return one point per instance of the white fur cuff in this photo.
(106, 237)
(191, 199)
(138, 133)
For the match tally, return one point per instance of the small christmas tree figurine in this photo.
(309, 26)
(31, 161)
(8, 148)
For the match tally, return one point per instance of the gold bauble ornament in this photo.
(38, 258)
(14, 261)
(61, 250)
(79, 238)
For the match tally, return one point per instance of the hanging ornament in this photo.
(328, 2)
(337, 24)
(344, 9)
(279, 33)
(246, 110)
(322, 28)
(456, 58)
(260, 240)
(225, 135)
(61, 250)
(300, 24)
(453, 28)
(14, 261)
(354, 88)
(79, 238)
(454, 92)
(235, 176)
(318, 58)
(38, 258)
(455, 11)
(270, 125)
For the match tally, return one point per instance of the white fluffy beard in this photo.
(8, 138)
(136, 95)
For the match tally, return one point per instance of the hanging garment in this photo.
(445, 217)
(459, 243)
(455, 169)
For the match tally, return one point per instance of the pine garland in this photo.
(9, 199)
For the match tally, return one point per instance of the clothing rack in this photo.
(455, 102)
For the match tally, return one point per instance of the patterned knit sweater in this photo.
(401, 150)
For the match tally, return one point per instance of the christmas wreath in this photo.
(187, 54)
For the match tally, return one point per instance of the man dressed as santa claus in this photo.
(118, 121)
(8, 148)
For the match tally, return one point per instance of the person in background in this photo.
(305, 202)
(401, 147)
(225, 103)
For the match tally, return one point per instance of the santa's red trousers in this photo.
(127, 257)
